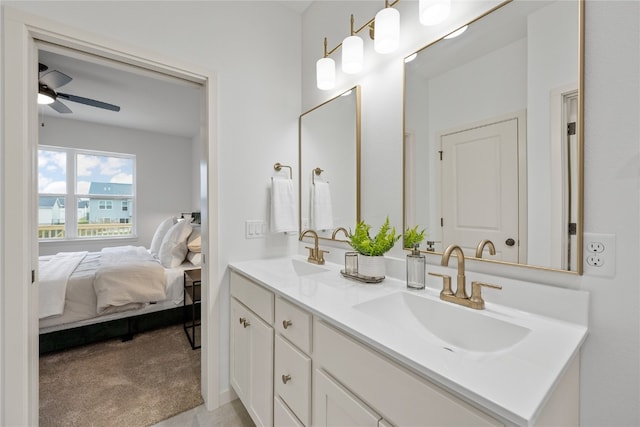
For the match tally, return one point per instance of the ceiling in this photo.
(148, 100)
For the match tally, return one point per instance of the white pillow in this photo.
(161, 231)
(174, 245)
(194, 243)
(195, 258)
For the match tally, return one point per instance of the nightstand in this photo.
(192, 285)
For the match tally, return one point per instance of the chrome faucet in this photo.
(482, 244)
(316, 256)
(475, 301)
(335, 232)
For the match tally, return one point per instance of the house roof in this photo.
(110, 188)
(50, 201)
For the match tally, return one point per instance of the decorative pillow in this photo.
(174, 245)
(195, 258)
(161, 231)
(194, 243)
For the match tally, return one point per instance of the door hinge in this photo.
(571, 128)
(33, 276)
(440, 152)
(441, 222)
(573, 229)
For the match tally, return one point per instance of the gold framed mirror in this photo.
(493, 141)
(329, 165)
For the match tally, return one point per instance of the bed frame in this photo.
(124, 329)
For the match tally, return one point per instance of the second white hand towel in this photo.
(321, 208)
(283, 206)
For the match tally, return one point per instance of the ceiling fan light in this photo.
(46, 96)
(387, 30)
(352, 55)
(325, 73)
(433, 12)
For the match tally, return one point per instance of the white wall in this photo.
(254, 48)
(610, 378)
(163, 173)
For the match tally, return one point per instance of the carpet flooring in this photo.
(135, 383)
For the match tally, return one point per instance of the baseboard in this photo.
(227, 396)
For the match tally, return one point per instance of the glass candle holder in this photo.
(351, 263)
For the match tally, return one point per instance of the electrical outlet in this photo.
(600, 254)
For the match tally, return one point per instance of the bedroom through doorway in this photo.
(116, 183)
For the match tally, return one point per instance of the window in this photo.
(94, 182)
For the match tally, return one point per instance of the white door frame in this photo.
(18, 200)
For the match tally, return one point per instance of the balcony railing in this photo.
(85, 230)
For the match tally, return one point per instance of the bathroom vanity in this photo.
(309, 347)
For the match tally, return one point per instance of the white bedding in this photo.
(54, 276)
(81, 300)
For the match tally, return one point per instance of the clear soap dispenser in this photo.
(416, 269)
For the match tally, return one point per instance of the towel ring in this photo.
(278, 166)
(315, 172)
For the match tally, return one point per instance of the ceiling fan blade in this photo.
(60, 107)
(87, 101)
(54, 79)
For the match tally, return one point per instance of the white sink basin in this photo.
(297, 267)
(452, 326)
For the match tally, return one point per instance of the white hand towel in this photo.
(283, 206)
(321, 209)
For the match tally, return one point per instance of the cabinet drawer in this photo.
(282, 416)
(258, 299)
(294, 323)
(389, 388)
(292, 379)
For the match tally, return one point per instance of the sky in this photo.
(52, 171)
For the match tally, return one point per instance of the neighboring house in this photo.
(51, 210)
(108, 210)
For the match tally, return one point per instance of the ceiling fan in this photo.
(49, 81)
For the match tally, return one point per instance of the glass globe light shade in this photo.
(433, 12)
(387, 30)
(352, 55)
(325, 73)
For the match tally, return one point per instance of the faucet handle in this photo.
(446, 283)
(476, 296)
(312, 253)
(320, 256)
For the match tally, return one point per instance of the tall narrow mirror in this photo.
(330, 165)
(492, 143)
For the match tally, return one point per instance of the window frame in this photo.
(73, 197)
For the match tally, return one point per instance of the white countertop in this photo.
(512, 384)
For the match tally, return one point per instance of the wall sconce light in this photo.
(352, 52)
(387, 29)
(325, 71)
(433, 12)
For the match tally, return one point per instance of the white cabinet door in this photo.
(335, 406)
(251, 363)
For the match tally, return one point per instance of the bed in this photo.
(117, 292)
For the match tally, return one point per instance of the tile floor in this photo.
(232, 414)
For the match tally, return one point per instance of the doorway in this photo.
(481, 176)
(19, 355)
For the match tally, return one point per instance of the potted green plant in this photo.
(371, 250)
(413, 237)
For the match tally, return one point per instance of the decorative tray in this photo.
(361, 278)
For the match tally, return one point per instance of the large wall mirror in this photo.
(492, 136)
(329, 166)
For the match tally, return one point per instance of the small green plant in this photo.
(413, 237)
(362, 242)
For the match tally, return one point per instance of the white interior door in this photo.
(480, 188)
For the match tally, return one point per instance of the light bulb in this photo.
(44, 99)
(325, 73)
(433, 12)
(387, 30)
(352, 55)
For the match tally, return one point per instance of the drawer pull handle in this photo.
(287, 323)
(286, 378)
